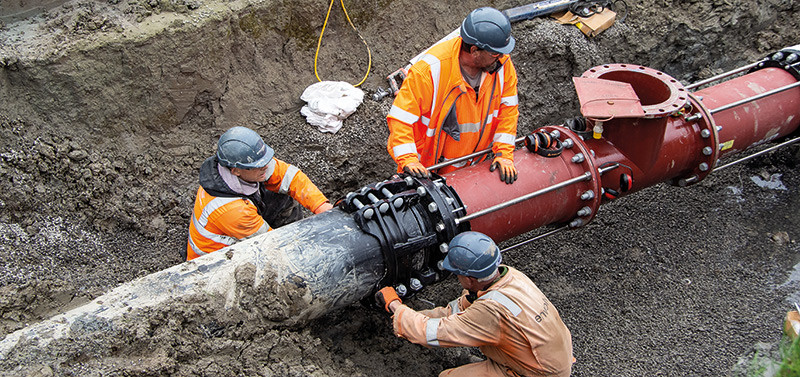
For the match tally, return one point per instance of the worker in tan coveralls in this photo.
(502, 312)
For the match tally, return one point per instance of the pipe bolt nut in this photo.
(409, 181)
(444, 248)
(578, 158)
(401, 290)
(440, 227)
(585, 211)
(555, 134)
(705, 133)
(568, 143)
(432, 207)
(708, 151)
(415, 284)
(588, 195)
(421, 191)
(703, 166)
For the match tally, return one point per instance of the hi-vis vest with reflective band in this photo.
(433, 86)
(218, 222)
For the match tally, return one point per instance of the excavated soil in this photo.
(108, 109)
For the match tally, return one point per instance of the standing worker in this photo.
(243, 192)
(502, 311)
(459, 98)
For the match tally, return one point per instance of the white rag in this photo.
(329, 103)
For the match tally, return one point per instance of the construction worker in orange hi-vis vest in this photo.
(501, 311)
(245, 191)
(458, 98)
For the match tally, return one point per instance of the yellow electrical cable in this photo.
(319, 42)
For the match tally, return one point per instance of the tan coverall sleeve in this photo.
(478, 326)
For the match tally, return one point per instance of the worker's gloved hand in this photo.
(327, 206)
(508, 173)
(385, 296)
(416, 169)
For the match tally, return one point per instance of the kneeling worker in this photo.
(502, 311)
(243, 192)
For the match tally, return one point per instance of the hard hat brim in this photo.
(503, 50)
(260, 163)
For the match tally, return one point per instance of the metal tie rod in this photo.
(467, 157)
(753, 98)
(770, 149)
(583, 177)
(529, 240)
(724, 75)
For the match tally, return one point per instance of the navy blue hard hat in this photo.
(472, 254)
(241, 147)
(488, 29)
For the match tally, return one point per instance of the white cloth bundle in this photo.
(329, 103)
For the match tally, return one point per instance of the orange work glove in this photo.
(327, 206)
(416, 169)
(508, 173)
(385, 296)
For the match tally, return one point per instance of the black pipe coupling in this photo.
(787, 59)
(413, 219)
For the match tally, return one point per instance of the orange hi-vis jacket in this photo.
(512, 322)
(220, 221)
(435, 88)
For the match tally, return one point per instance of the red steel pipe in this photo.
(677, 140)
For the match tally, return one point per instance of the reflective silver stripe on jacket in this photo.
(431, 329)
(200, 223)
(510, 101)
(469, 127)
(291, 172)
(404, 149)
(501, 75)
(436, 68)
(453, 305)
(504, 138)
(436, 71)
(270, 168)
(194, 247)
(502, 300)
(403, 115)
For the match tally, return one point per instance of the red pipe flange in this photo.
(592, 201)
(706, 129)
(659, 93)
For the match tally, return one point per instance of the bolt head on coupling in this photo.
(415, 284)
(401, 290)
